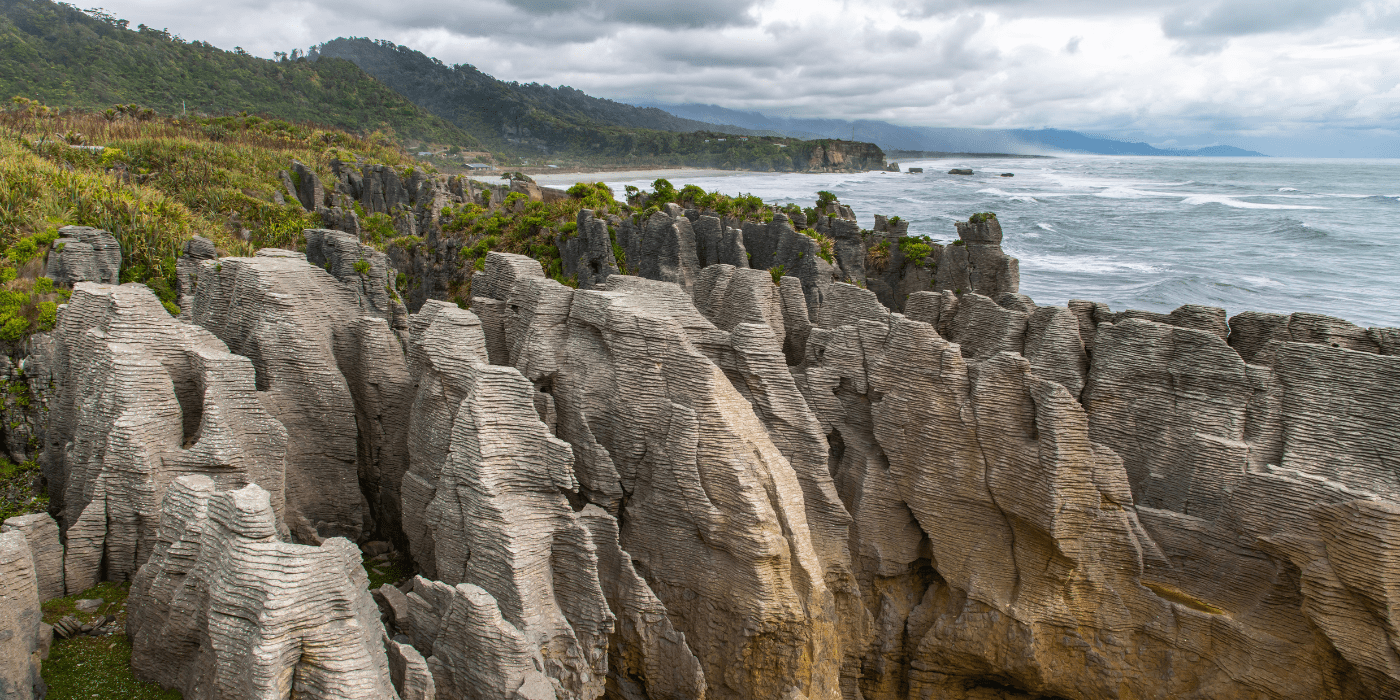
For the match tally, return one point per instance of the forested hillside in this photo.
(65, 57)
(507, 113)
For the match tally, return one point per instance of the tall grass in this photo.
(154, 182)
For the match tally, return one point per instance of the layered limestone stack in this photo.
(140, 399)
(41, 534)
(20, 621)
(633, 379)
(316, 345)
(195, 251)
(84, 254)
(224, 609)
(588, 254)
(976, 263)
(486, 506)
(474, 652)
(360, 268)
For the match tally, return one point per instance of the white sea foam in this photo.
(1045, 226)
(1198, 199)
(1288, 189)
(1084, 264)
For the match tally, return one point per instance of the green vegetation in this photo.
(156, 182)
(825, 198)
(915, 248)
(66, 57)
(777, 272)
(386, 571)
(19, 483)
(95, 667)
(877, 257)
(826, 247)
(527, 120)
(980, 217)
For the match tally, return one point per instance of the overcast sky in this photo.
(1304, 77)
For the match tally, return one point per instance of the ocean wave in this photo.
(1288, 189)
(1084, 264)
(1045, 226)
(1198, 199)
(1013, 196)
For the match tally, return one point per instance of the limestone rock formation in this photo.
(652, 417)
(359, 267)
(224, 609)
(141, 399)
(315, 345)
(475, 652)
(41, 534)
(588, 255)
(976, 263)
(488, 509)
(84, 254)
(195, 251)
(20, 620)
(718, 479)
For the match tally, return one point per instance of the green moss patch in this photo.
(95, 667)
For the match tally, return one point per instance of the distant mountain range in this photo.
(948, 140)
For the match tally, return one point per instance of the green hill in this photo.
(64, 57)
(565, 124)
(531, 117)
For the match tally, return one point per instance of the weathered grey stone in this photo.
(638, 356)
(668, 251)
(84, 254)
(477, 653)
(976, 263)
(196, 250)
(141, 399)
(588, 255)
(301, 328)
(1054, 348)
(409, 670)
(646, 651)
(362, 269)
(982, 328)
(41, 532)
(20, 620)
(224, 609)
(1171, 401)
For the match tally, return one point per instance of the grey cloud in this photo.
(1241, 17)
(690, 14)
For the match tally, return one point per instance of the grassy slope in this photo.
(157, 183)
(66, 58)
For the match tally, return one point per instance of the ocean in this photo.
(1261, 234)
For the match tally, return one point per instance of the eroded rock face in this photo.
(84, 254)
(224, 609)
(141, 399)
(654, 419)
(316, 345)
(727, 485)
(41, 533)
(20, 618)
(488, 509)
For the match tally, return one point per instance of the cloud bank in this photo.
(1281, 76)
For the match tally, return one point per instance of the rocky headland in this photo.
(700, 455)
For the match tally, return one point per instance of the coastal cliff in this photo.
(739, 455)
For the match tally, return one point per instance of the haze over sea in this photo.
(1261, 234)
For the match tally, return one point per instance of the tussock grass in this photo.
(155, 182)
